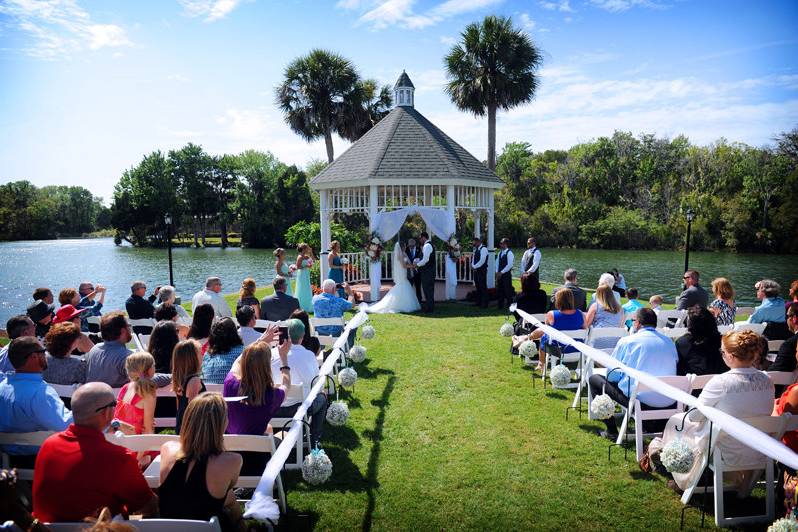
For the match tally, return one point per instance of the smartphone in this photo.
(283, 334)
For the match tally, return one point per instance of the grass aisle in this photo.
(446, 434)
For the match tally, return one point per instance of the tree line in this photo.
(28, 212)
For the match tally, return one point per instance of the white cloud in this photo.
(616, 6)
(558, 5)
(60, 28)
(526, 21)
(380, 14)
(455, 7)
(448, 41)
(210, 10)
(178, 77)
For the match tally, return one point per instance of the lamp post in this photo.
(690, 215)
(168, 220)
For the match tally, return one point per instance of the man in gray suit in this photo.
(694, 294)
(580, 296)
(279, 306)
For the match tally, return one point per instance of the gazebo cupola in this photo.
(403, 91)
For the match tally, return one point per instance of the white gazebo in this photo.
(405, 165)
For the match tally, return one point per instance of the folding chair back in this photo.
(681, 382)
(22, 438)
(143, 323)
(774, 345)
(758, 328)
(664, 316)
(145, 340)
(723, 329)
(782, 378)
(698, 382)
(673, 332)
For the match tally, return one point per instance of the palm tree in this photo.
(319, 96)
(492, 67)
(376, 102)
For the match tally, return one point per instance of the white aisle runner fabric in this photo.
(262, 506)
(739, 430)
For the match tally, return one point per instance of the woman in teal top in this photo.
(336, 266)
(284, 270)
(304, 261)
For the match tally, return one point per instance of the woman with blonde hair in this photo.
(186, 376)
(282, 269)
(723, 307)
(741, 392)
(135, 403)
(304, 262)
(246, 296)
(197, 474)
(605, 312)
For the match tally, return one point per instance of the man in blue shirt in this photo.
(329, 305)
(27, 403)
(646, 350)
(16, 327)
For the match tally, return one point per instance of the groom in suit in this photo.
(426, 268)
(413, 275)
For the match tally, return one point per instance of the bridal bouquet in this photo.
(454, 247)
(374, 247)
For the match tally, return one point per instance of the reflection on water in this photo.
(61, 263)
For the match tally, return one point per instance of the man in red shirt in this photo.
(78, 472)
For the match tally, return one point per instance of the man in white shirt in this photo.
(479, 265)
(245, 315)
(210, 296)
(530, 262)
(304, 370)
(426, 269)
(504, 274)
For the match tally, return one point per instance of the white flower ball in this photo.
(337, 413)
(367, 332)
(602, 407)
(357, 354)
(347, 377)
(528, 349)
(677, 456)
(560, 376)
(506, 330)
(317, 467)
(785, 524)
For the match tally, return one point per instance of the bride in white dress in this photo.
(402, 297)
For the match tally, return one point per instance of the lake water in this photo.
(62, 263)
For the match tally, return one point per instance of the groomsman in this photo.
(413, 253)
(479, 265)
(504, 274)
(530, 262)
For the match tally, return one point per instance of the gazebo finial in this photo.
(403, 91)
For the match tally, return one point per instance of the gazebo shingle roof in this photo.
(405, 146)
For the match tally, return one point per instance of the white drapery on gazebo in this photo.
(405, 165)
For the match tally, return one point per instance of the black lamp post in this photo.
(168, 220)
(690, 215)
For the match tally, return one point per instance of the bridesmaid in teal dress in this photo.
(336, 266)
(282, 269)
(303, 292)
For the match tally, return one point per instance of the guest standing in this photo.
(530, 261)
(304, 262)
(336, 266)
(246, 296)
(504, 275)
(723, 307)
(282, 269)
(479, 265)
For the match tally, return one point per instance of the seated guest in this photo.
(723, 307)
(693, 294)
(564, 317)
(771, 311)
(620, 282)
(252, 378)
(68, 296)
(186, 376)
(246, 296)
(168, 312)
(224, 347)
(166, 295)
(646, 350)
(793, 294)
(605, 312)
(631, 306)
(279, 306)
(106, 361)
(304, 369)
(44, 294)
(329, 305)
(62, 367)
(79, 472)
(70, 314)
(655, 302)
(87, 293)
(135, 403)
(741, 392)
(580, 296)
(27, 403)
(785, 359)
(699, 349)
(532, 299)
(197, 475)
(309, 342)
(201, 323)
(136, 306)
(609, 280)
(163, 340)
(210, 296)
(42, 315)
(17, 326)
(245, 316)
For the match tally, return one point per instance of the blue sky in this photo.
(89, 86)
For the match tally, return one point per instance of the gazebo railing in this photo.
(463, 267)
(357, 271)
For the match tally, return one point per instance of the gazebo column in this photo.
(324, 220)
(375, 268)
(451, 283)
(477, 223)
(491, 251)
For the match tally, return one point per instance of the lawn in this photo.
(446, 433)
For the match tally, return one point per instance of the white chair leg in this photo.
(624, 425)
(770, 493)
(717, 480)
(638, 436)
(281, 494)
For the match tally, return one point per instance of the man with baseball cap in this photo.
(42, 314)
(27, 403)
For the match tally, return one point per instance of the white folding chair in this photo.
(93, 320)
(605, 332)
(262, 325)
(144, 341)
(150, 525)
(672, 332)
(143, 322)
(782, 378)
(774, 345)
(22, 438)
(594, 333)
(723, 329)
(698, 382)
(664, 316)
(294, 393)
(567, 358)
(758, 328)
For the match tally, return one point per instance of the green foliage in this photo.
(310, 233)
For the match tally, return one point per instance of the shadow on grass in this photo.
(556, 395)
(376, 437)
(293, 520)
